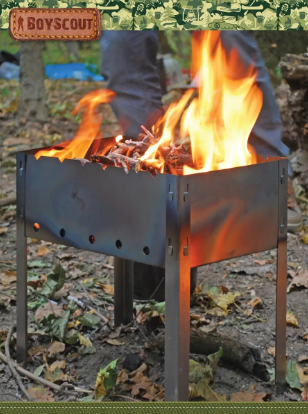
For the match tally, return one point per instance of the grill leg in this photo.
(21, 258)
(177, 286)
(281, 311)
(123, 291)
(281, 285)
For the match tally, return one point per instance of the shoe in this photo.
(294, 212)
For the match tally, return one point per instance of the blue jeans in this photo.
(129, 68)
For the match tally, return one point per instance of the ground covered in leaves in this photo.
(72, 339)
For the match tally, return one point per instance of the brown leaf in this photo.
(154, 393)
(138, 377)
(38, 350)
(56, 347)
(8, 277)
(42, 251)
(143, 367)
(107, 288)
(299, 280)
(264, 262)
(254, 302)
(248, 396)
(114, 342)
(57, 364)
(116, 333)
(291, 319)
(48, 309)
(272, 350)
(3, 230)
(122, 376)
(303, 358)
(41, 394)
(140, 386)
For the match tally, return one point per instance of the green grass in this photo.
(56, 52)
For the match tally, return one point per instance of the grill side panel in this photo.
(126, 213)
(234, 212)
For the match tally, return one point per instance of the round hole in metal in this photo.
(91, 239)
(118, 244)
(146, 250)
(36, 227)
(62, 232)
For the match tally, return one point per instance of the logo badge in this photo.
(55, 24)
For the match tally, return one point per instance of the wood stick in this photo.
(42, 381)
(236, 353)
(101, 159)
(12, 368)
(7, 201)
(150, 135)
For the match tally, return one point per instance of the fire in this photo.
(88, 130)
(218, 121)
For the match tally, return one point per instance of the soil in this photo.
(242, 274)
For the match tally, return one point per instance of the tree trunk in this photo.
(32, 103)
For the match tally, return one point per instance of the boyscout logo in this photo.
(55, 24)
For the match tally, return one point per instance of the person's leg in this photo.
(266, 135)
(129, 67)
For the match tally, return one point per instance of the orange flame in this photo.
(88, 130)
(220, 119)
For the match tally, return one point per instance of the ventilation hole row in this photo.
(118, 243)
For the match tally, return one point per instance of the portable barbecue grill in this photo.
(168, 221)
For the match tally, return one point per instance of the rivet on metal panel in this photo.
(170, 195)
(282, 177)
(185, 251)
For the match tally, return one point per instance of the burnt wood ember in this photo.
(128, 155)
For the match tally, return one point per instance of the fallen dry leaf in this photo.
(114, 342)
(291, 319)
(57, 364)
(299, 280)
(254, 302)
(48, 309)
(56, 347)
(42, 251)
(293, 265)
(84, 341)
(272, 350)
(41, 394)
(123, 376)
(7, 277)
(264, 262)
(3, 230)
(107, 288)
(303, 358)
(144, 385)
(248, 396)
(154, 393)
(38, 350)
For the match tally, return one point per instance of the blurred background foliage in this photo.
(273, 46)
